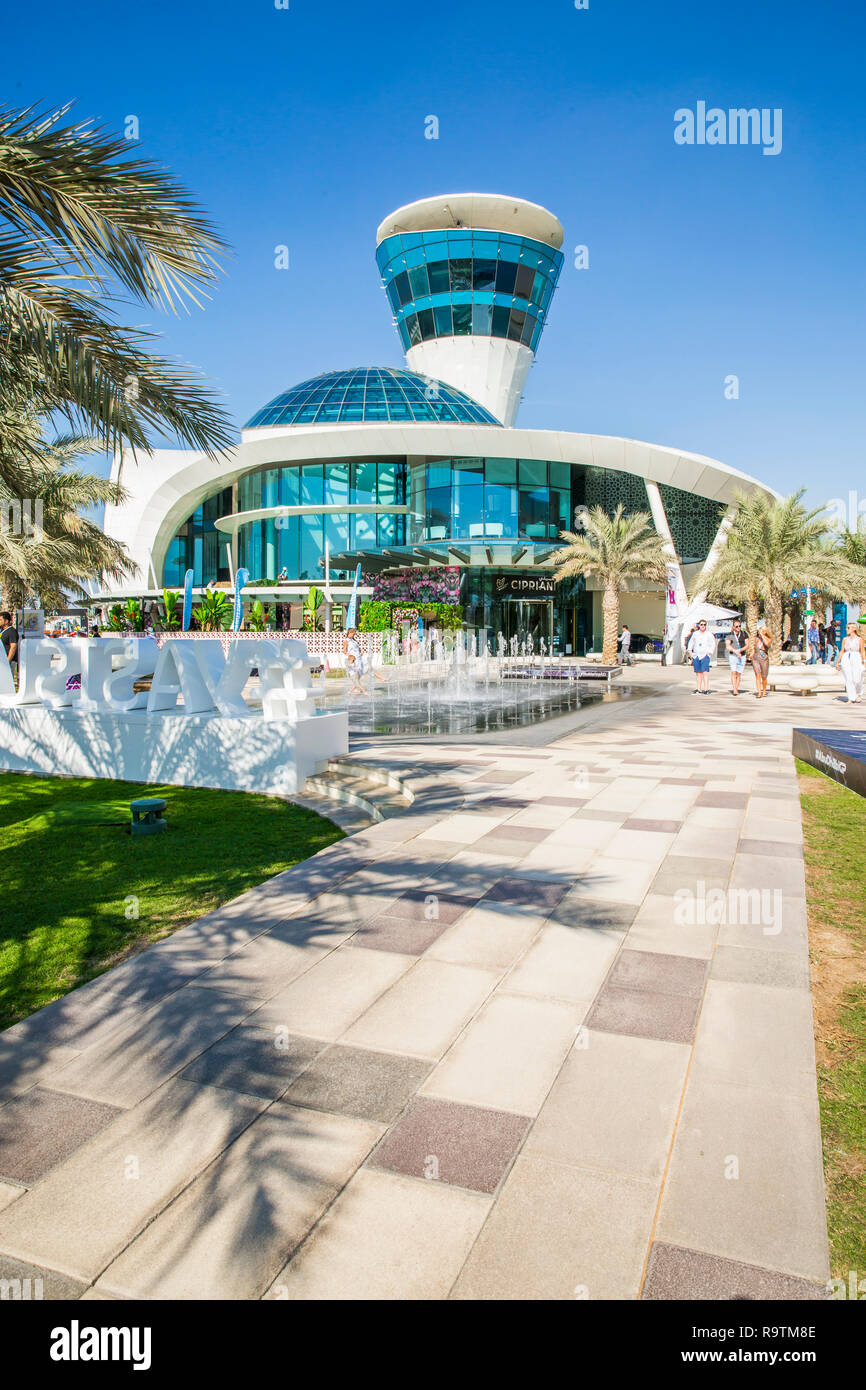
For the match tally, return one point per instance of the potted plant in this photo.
(312, 609)
(214, 613)
(256, 616)
(169, 619)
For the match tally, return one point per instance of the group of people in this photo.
(850, 660)
(821, 643)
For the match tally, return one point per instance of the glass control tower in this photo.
(470, 277)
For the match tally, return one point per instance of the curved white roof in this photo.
(166, 489)
(493, 211)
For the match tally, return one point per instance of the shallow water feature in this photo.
(431, 709)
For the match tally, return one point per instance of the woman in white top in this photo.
(851, 660)
(358, 663)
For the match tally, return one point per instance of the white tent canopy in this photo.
(709, 612)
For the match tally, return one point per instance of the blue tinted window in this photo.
(442, 318)
(482, 319)
(501, 316)
(461, 276)
(401, 285)
(418, 282)
(524, 281)
(516, 323)
(462, 318)
(506, 274)
(483, 275)
(439, 277)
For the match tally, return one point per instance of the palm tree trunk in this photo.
(752, 616)
(610, 613)
(773, 614)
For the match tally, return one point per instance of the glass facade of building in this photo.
(370, 393)
(477, 505)
(473, 499)
(198, 546)
(447, 283)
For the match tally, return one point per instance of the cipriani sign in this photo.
(187, 677)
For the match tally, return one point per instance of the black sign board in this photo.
(523, 586)
(838, 753)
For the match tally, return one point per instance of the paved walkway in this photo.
(547, 1036)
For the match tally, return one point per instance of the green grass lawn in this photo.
(79, 893)
(834, 825)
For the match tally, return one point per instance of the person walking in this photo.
(701, 646)
(358, 663)
(813, 642)
(625, 646)
(761, 660)
(831, 650)
(11, 642)
(736, 648)
(851, 661)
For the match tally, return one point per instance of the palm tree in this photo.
(47, 547)
(775, 547)
(852, 544)
(616, 549)
(82, 222)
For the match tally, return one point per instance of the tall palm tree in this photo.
(615, 549)
(775, 547)
(852, 544)
(84, 223)
(47, 547)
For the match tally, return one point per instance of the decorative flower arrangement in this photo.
(419, 587)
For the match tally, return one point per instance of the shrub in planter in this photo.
(375, 616)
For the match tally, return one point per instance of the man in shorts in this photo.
(736, 646)
(702, 645)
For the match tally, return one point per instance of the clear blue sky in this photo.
(306, 126)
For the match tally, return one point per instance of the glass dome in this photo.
(371, 393)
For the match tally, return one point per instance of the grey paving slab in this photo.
(683, 871)
(10, 1192)
(561, 1232)
(659, 972)
(261, 968)
(644, 1014)
(428, 903)
(386, 1237)
(257, 1061)
(746, 1179)
(23, 1065)
(133, 1061)
(677, 1273)
(458, 1144)
(746, 1038)
(358, 1081)
(399, 935)
(229, 1233)
(753, 966)
(731, 800)
(613, 1106)
(660, 827)
(779, 848)
(41, 1128)
(577, 910)
(24, 1283)
(88, 1209)
(516, 891)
